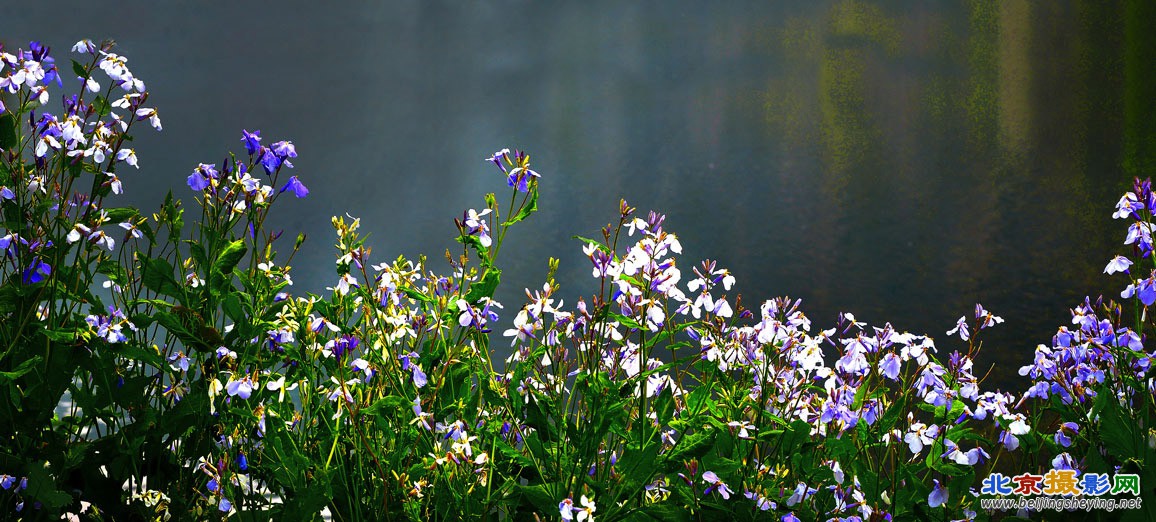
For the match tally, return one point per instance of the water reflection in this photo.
(902, 160)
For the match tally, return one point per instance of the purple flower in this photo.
(1064, 461)
(986, 318)
(497, 157)
(197, 182)
(343, 345)
(284, 149)
(890, 366)
(965, 458)
(1062, 436)
(297, 187)
(716, 484)
(252, 141)
(202, 177)
(801, 492)
(36, 272)
(937, 497)
(150, 114)
(871, 411)
(242, 462)
(225, 506)
(1147, 291)
(471, 316)
(920, 435)
(362, 366)
(476, 225)
(270, 161)
(961, 327)
(419, 377)
(179, 362)
(242, 388)
(520, 176)
(761, 502)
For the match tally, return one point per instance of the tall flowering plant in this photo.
(60, 161)
(95, 379)
(1095, 382)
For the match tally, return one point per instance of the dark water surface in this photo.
(899, 160)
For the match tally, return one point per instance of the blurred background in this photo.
(901, 160)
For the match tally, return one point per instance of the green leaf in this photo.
(230, 256)
(935, 462)
(389, 406)
(157, 275)
(42, 488)
(637, 465)
(414, 294)
(624, 321)
(699, 400)
(958, 486)
(663, 406)
(529, 208)
(892, 415)
(663, 511)
(173, 215)
(723, 466)
(861, 395)
(1116, 434)
(121, 214)
(140, 353)
(20, 370)
(8, 138)
(233, 310)
(9, 299)
(113, 270)
(509, 451)
(485, 286)
(840, 447)
(540, 497)
(597, 244)
(689, 447)
(79, 69)
(61, 336)
(476, 243)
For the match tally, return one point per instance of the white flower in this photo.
(920, 435)
(84, 46)
(45, 142)
(1018, 425)
(74, 234)
(586, 512)
(743, 426)
(127, 156)
(566, 509)
(90, 84)
(114, 182)
(151, 114)
(124, 102)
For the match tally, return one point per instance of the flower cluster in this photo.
(231, 185)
